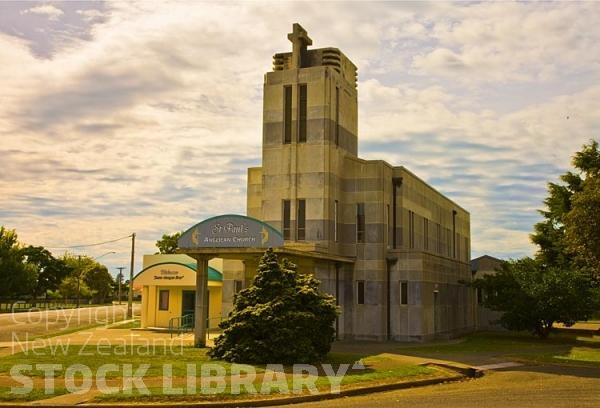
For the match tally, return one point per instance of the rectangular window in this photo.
(287, 114)
(163, 299)
(337, 116)
(388, 226)
(302, 109)
(237, 286)
(411, 229)
(287, 221)
(335, 220)
(360, 222)
(360, 292)
(438, 228)
(301, 220)
(404, 293)
(425, 234)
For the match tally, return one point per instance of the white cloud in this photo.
(149, 125)
(52, 12)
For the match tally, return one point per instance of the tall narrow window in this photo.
(360, 292)
(337, 116)
(237, 286)
(454, 254)
(287, 219)
(163, 299)
(388, 226)
(438, 228)
(425, 234)
(411, 229)
(360, 222)
(335, 220)
(301, 220)
(287, 114)
(404, 293)
(302, 102)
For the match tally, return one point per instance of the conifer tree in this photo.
(282, 318)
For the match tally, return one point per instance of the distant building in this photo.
(485, 265)
(394, 251)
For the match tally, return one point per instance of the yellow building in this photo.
(168, 287)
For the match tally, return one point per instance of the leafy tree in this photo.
(558, 285)
(534, 297)
(72, 288)
(42, 271)
(100, 282)
(282, 317)
(11, 262)
(570, 214)
(582, 226)
(168, 243)
(74, 285)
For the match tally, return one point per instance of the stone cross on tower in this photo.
(300, 39)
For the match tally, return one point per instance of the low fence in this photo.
(23, 305)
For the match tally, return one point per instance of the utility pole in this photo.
(119, 279)
(79, 277)
(130, 297)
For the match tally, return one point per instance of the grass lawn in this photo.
(379, 369)
(559, 348)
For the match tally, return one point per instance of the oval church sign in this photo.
(231, 231)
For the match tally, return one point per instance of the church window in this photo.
(302, 111)
(286, 219)
(360, 292)
(287, 114)
(404, 293)
(360, 222)
(301, 220)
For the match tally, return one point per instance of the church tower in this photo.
(309, 126)
(392, 250)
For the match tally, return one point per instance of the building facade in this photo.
(407, 246)
(167, 283)
(392, 250)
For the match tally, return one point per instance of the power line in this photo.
(91, 245)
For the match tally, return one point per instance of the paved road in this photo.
(34, 322)
(532, 387)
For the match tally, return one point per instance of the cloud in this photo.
(52, 12)
(144, 116)
(509, 41)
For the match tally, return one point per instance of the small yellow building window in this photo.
(163, 300)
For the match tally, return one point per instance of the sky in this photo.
(123, 117)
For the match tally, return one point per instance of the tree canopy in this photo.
(534, 297)
(168, 243)
(283, 317)
(561, 283)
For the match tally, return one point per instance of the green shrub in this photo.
(282, 318)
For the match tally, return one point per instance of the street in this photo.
(34, 322)
(527, 386)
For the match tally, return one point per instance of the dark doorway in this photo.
(188, 304)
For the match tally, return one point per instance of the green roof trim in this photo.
(213, 274)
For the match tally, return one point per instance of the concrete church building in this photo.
(391, 248)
